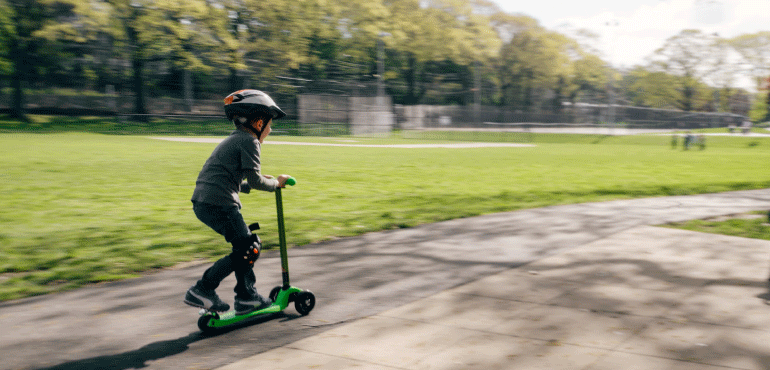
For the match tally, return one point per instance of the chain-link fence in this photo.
(339, 114)
(586, 115)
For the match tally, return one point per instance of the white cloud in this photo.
(631, 30)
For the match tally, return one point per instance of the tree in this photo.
(509, 25)
(652, 89)
(755, 50)
(537, 62)
(759, 110)
(590, 77)
(657, 89)
(534, 61)
(424, 32)
(691, 55)
(184, 35)
(22, 46)
(301, 38)
(152, 30)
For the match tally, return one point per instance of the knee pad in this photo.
(246, 251)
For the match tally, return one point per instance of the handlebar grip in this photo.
(291, 181)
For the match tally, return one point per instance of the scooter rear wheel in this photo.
(203, 324)
(274, 293)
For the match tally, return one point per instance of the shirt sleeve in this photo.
(251, 165)
(259, 182)
(250, 154)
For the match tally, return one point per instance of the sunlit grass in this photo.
(78, 208)
(755, 225)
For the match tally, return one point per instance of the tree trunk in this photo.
(233, 81)
(137, 66)
(688, 95)
(188, 90)
(411, 81)
(139, 108)
(17, 108)
(767, 106)
(528, 103)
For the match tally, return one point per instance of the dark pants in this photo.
(228, 222)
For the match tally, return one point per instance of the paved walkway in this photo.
(583, 286)
(644, 298)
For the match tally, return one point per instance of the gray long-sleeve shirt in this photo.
(236, 158)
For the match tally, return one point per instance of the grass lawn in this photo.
(752, 225)
(80, 208)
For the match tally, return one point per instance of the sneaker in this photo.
(257, 302)
(206, 299)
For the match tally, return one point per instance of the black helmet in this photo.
(250, 103)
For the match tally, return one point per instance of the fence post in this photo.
(188, 90)
(111, 96)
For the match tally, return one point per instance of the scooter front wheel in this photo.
(304, 302)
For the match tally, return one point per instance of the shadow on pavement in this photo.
(158, 350)
(134, 359)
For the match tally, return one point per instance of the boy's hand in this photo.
(282, 180)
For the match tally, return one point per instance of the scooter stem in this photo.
(282, 235)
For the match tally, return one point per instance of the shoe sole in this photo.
(194, 304)
(203, 306)
(197, 305)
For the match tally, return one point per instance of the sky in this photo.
(630, 30)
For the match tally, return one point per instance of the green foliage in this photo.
(6, 33)
(666, 91)
(652, 89)
(753, 226)
(422, 34)
(24, 53)
(692, 56)
(759, 110)
(533, 61)
(433, 51)
(590, 75)
(755, 50)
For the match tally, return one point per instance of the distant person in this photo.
(674, 141)
(688, 138)
(746, 127)
(216, 202)
(702, 142)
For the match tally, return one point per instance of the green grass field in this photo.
(753, 225)
(79, 208)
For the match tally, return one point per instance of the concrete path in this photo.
(646, 298)
(586, 286)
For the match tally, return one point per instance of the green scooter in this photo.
(304, 300)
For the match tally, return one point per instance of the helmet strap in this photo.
(248, 125)
(256, 131)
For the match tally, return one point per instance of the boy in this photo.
(216, 202)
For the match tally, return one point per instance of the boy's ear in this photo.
(258, 123)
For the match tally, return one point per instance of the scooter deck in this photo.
(231, 318)
(213, 321)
